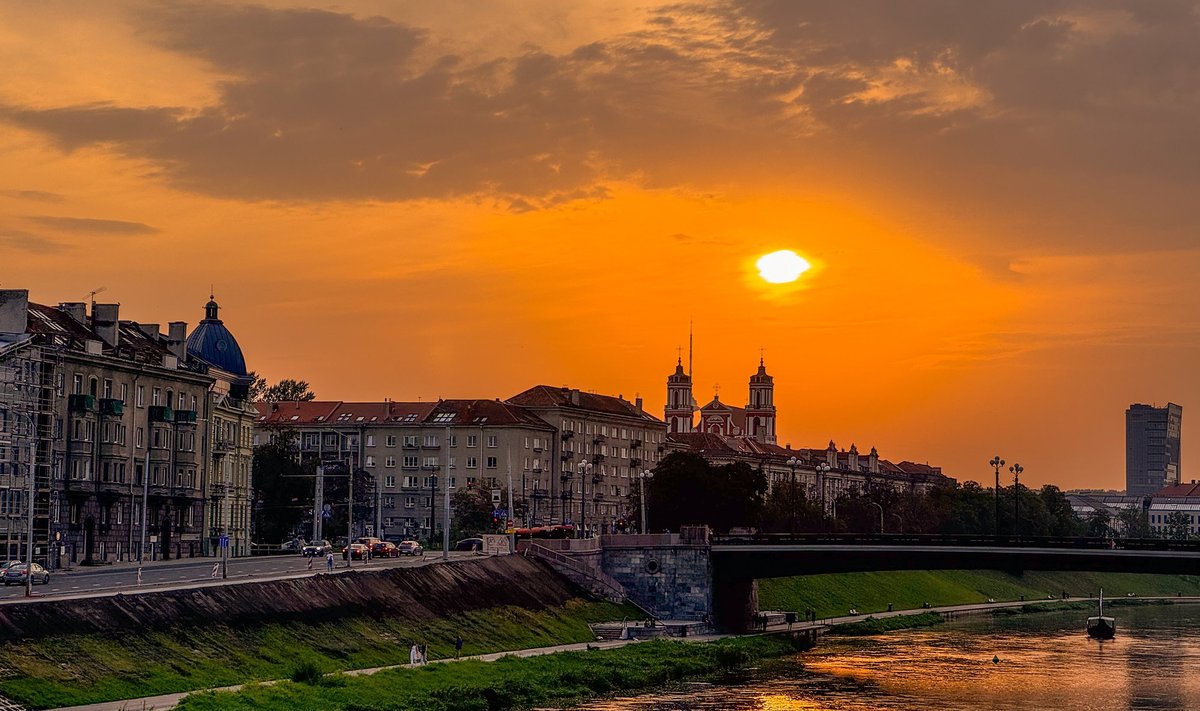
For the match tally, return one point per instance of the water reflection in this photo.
(1046, 662)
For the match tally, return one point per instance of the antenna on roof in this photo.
(690, 348)
(93, 292)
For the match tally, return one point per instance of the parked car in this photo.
(16, 574)
(410, 548)
(292, 546)
(384, 549)
(6, 565)
(469, 544)
(356, 551)
(317, 548)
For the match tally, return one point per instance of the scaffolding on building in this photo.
(29, 374)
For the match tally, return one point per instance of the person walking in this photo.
(329, 561)
(457, 645)
(414, 655)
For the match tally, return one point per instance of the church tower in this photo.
(680, 405)
(760, 412)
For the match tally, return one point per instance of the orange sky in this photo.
(460, 199)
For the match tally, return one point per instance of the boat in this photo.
(1101, 627)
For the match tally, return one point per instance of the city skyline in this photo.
(451, 200)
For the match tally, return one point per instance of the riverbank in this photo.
(835, 594)
(510, 682)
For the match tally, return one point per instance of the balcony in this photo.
(600, 439)
(568, 434)
(634, 444)
(537, 470)
(111, 407)
(435, 445)
(597, 478)
(430, 467)
(81, 403)
(218, 489)
(161, 413)
(112, 449)
(598, 459)
(635, 462)
(185, 417)
(223, 446)
(80, 446)
(566, 456)
(185, 457)
(409, 445)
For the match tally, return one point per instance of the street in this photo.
(196, 572)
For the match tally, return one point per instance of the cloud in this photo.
(28, 242)
(1075, 119)
(34, 195)
(92, 225)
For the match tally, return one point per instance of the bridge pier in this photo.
(735, 604)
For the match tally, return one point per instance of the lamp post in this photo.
(792, 496)
(1016, 470)
(996, 463)
(878, 506)
(29, 504)
(822, 469)
(584, 468)
(642, 482)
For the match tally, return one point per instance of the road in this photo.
(194, 572)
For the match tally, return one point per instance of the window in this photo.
(124, 392)
(108, 391)
(451, 465)
(77, 384)
(410, 440)
(443, 417)
(453, 440)
(431, 440)
(410, 462)
(526, 443)
(431, 463)
(391, 440)
(141, 396)
(370, 461)
(410, 481)
(491, 462)
(472, 462)
(410, 502)
(371, 440)
(389, 502)
(492, 441)
(389, 462)
(389, 481)
(182, 404)
(472, 440)
(155, 396)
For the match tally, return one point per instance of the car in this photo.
(410, 547)
(317, 549)
(17, 574)
(469, 544)
(384, 549)
(356, 551)
(295, 545)
(6, 565)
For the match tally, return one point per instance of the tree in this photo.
(283, 490)
(1099, 525)
(472, 512)
(784, 509)
(287, 390)
(258, 386)
(687, 490)
(1177, 526)
(1134, 522)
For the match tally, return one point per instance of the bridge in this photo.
(693, 575)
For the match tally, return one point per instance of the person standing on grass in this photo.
(457, 645)
(414, 655)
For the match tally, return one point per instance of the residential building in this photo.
(602, 443)
(122, 436)
(1152, 446)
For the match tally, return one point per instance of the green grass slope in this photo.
(832, 595)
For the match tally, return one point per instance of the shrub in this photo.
(307, 672)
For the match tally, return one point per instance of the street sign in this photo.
(370, 530)
(224, 541)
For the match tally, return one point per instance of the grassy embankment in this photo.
(834, 595)
(508, 683)
(76, 669)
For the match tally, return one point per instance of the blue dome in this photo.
(212, 343)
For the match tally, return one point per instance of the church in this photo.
(756, 420)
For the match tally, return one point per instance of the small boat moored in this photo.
(1101, 627)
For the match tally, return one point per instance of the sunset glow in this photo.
(462, 199)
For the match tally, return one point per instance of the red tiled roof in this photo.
(484, 412)
(543, 396)
(1179, 490)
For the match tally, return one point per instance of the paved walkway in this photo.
(169, 701)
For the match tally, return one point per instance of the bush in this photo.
(307, 672)
(732, 657)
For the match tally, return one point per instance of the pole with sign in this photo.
(224, 555)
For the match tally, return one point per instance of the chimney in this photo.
(873, 461)
(638, 403)
(14, 310)
(575, 396)
(75, 309)
(177, 337)
(150, 329)
(831, 455)
(105, 323)
(853, 457)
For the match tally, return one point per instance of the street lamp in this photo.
(1016, 470)
(996, 463)
(642, 481)
(822, 469)
(878, 506)
(32, 493)
(585, 468)
(792, 497)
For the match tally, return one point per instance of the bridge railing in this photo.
(906, 539)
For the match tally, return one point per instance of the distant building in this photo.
(1151, 448)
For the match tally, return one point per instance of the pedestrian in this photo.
(329, 561)
(414, 655)
(457, 645)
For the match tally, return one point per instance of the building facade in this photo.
(1152, 448)
(602, 444)
(123, 433)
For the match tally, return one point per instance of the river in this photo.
(1046, 662)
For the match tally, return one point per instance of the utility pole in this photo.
(446, 522)
(318, 504)
(145, 501)
(350, 511)
(512, 548)
(29, 505)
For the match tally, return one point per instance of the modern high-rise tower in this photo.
(1151, 448)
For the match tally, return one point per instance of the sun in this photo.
(781, 267)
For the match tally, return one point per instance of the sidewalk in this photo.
(168, 701)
